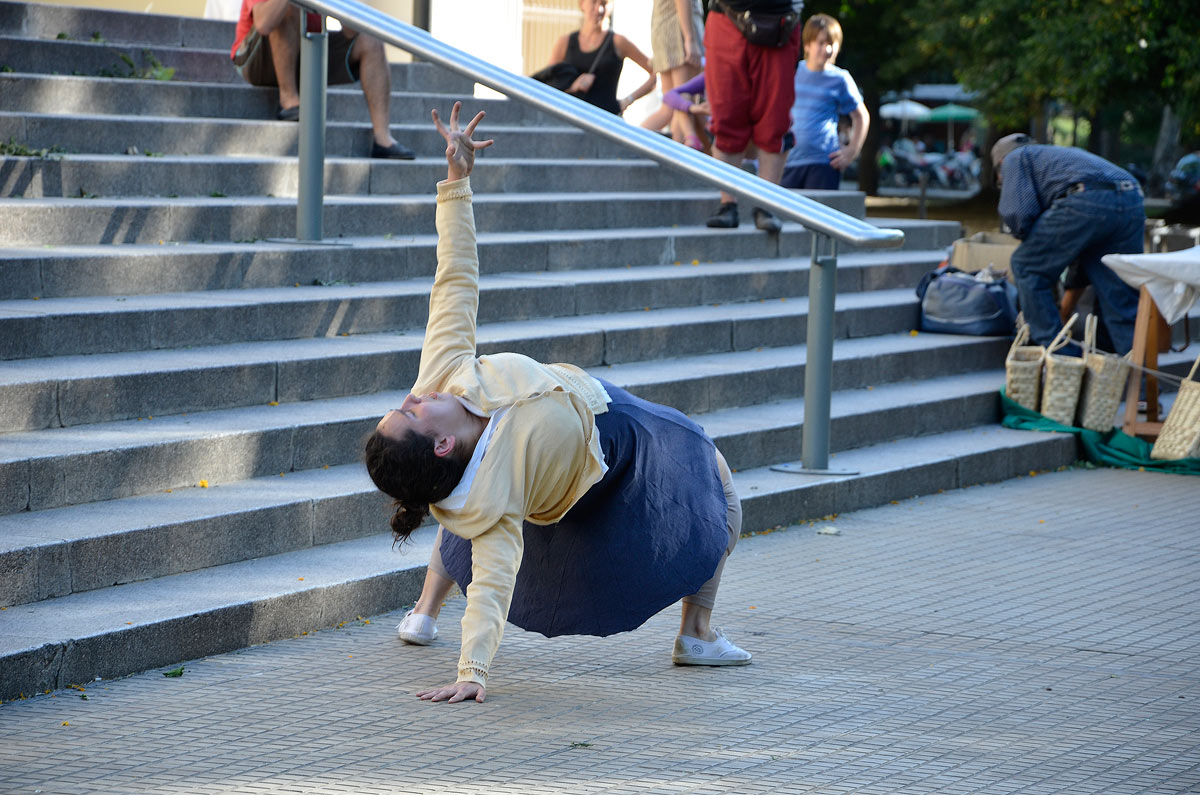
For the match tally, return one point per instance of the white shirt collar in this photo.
(458, 498)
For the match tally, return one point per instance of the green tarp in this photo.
(1113, 449)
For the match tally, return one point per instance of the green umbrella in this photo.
(951, 113)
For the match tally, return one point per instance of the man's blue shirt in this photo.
(1034, 176)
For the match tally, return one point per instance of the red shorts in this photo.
(749, 88)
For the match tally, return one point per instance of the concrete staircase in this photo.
(183, 392)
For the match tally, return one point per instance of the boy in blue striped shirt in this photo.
(824, 93)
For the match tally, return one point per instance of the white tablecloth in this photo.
(1172, 278)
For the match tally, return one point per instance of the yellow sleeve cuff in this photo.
(472, 671)
(451, 190)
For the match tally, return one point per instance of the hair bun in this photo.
(407, 517)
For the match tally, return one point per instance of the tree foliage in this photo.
(1107, 60)
(1096, 56)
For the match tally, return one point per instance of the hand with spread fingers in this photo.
(452, 694)
(460, 149)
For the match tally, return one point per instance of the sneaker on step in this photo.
(726, 217)
(417, 629)
(721, 651)
(767, 221)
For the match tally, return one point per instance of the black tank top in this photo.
(603, 93)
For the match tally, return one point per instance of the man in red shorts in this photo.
(266, 52)
(750, 89)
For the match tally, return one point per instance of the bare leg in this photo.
(733, 159)
(697, 608)
(437, 582)
(285, 54)
(770, 165)
(677, 77)
(370, 62)
(433, 593)
(659, 118)
(665, 113)
(694, 622)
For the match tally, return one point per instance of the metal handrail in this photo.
(824, 222)
(811, 214)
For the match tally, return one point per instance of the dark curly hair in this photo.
(408, 471)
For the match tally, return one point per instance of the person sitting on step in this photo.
(266, 52)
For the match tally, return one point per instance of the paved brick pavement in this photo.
(1035, 636)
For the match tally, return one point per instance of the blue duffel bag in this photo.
(956, 302)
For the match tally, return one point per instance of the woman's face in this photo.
(435, 415)
(594, 10)
(820, 51)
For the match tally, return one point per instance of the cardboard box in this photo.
(981, 249)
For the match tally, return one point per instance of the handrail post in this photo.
(818, 366)
(310, 203)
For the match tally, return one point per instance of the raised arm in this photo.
(454, 299)
(627, 49)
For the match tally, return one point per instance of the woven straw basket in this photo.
(1023, 370)
(1064, 376)
(1103, 383)
(1180, 434)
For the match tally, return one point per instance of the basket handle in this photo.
(1089, 332)
(1020, 339)
(1063, 337)
(1192, 372)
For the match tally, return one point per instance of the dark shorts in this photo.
(256, 66)
(812, 176)
(749, 88)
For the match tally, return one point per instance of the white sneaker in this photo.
(722, 651)
(417, 629)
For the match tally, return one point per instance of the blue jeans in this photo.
(1082, 226)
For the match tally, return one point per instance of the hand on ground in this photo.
(459, 691)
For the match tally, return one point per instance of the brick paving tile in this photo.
(1036, 636)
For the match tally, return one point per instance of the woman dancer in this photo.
(581, 49)
(567, 505)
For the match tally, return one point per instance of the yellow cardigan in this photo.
(544, 454)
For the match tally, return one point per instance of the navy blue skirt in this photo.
(649, 533)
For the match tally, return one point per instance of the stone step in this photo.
(112, 324)
(88, 463)
(99, 134)
(103, 219)
(62, 390)
(201, 175)
(416, 89)
(898, 470)
(131, 269)
(46, 21)
(60, 551)
(90, 58)
(98, 58)
(118, 630)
